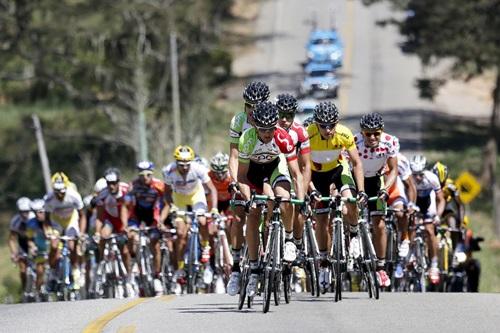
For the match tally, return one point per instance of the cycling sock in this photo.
(298, 242)
(180, 265)
(254, 267)
(353, 229)
(434, 262)
(288, 236)
(380, 264)
(236, 255)
(205, 243)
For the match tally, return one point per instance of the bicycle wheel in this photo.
(278, 271)
(269, 271)
(287, 283)
(166, 272)
(191, 269)
(337, 265)
(146, 275)
(312, 265)
(369, 264)
(245, 271)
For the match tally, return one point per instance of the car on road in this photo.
(305, 109)
(320, 81)
(325, 46)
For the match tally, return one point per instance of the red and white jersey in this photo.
(374, 159)
(300, 138)
(112, 203)
(253, 149)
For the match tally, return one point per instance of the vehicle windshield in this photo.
(323, 41)
(320, 73)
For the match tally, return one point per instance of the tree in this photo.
(466, 34)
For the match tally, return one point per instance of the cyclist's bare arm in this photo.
(392, 163)
(440, 203)
(213, 192)
(124, 214)
(13, 243)
(298, 181)
(233, 160)
(411, 189)
(99, 218)
(243, 180)
(357, 169)
(305, 166)
(167, 203)
(83, 221)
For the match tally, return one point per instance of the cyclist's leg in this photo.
(377, 211)
(105, 231)
(322, 181)
(281, 184)
(342, 178)
(21, 263)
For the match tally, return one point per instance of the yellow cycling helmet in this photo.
(60, 181)
(184, 153)
(441, 171)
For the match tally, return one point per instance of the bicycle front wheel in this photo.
(269, 272)
(337, 254)
(370, 264)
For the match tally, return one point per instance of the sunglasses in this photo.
(376, 133)
(39, 211)
(286, 115)
(327, 126)
(266, 130)
(249, 105)
(183, 164)
(112, 183)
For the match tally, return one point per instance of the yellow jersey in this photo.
(326, 154)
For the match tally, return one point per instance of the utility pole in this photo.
(175, 88)
(42, 151)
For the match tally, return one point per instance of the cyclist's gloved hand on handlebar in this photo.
(233, 187)
(315, 196)
(362, 198)
(383, 195)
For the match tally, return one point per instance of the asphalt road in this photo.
(217, 313)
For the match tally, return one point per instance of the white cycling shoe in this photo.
(404, 248)
(233, 286)
(252, 285)
(290, 252)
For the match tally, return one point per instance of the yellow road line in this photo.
(127, 329)
(98, 324)
(347, 70)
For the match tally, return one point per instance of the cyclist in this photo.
(110, 216)
(454, 211)
(38, 230)
(142, 204)
(377, 151)
(185, 184)
(259, 168)
(287, 107)
(64, 209)
(427, 183)
(18, 242)
(253, 93)
(328, 139)
(403, 193)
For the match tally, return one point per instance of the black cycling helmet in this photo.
(265, 115)
(371, 121)
(286, 103)
(256, 92)
(326, 113)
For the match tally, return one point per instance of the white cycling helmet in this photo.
(37, 205)
(23, 204)
(418, 163)
(100, 185)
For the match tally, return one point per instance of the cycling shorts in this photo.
(340, 176)
(272, 173)
(372, 187)
(197, 200)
